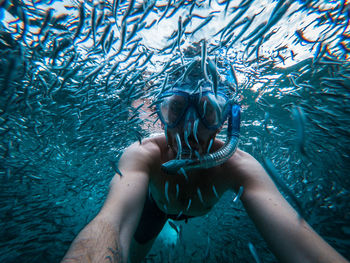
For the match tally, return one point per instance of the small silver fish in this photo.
(254, 253)
(239, 194)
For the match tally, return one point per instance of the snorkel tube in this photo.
(211, 159)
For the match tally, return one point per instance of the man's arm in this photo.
(289, 238)
(107, 237)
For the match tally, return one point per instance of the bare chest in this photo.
(194, 194)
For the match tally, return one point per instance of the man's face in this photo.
(193, 119)
(186, 130)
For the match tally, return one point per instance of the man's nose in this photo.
(191, 115)
(190, 130)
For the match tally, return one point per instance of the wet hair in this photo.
(191, 53)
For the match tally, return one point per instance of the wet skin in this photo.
(195, 196)
(203, 180)
(288, 237)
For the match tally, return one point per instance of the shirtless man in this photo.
(182, 175)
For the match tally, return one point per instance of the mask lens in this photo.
(172, 108)
(210, 110)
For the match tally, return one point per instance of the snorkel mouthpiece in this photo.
(211, 159)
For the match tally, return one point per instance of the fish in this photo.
(238, 24)
(151, 24)
(294, 82)
(207, 250)
(189, 204)
(277, 13)
(163, 87)
(174, 226)
(300, 119)
(148, 58)
(199, 195)
(60, 45)
(210, 145)
(214, 76)
(215, 192)
(179, 146)
(134, 30)
(93, 23)
(24, 19)
(234, 76)
(115, 7)
(94, 72)
(183, 172)
(165, 130)
(255, 49)
(192, 8)
(204, 59)
(201, 25)
(132, 50)
(266, 121)
(344, 47)
(49, 102)
(148, 9)
(254, 252)
(186, 134)
(187, 20)
(195, 130)
(107, 46)
(176, 8)
(86, 38)
(166, 189)
(233, 20)
(47, 20)
(128, 11)
(115, 167)
(165, 11)
(138, 135)
(60, 18)
(272, 171)
(320, 52)
(179, 35)
(300, 35)
(103, 38)
(244, 29)
(226, 7)
(66, 77)
(239, 194)
(122, 38)
(111, 71)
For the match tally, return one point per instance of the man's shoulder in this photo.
(151, 145)
(142, 155)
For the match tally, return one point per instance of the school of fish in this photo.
(79, 81)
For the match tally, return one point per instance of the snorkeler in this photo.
(183, 174)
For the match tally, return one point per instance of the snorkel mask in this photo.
(212, 111)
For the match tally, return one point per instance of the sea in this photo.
(79, 81)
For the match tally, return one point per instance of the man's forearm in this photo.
(290, 238)
(97, 242)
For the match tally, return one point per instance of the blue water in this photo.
(64, 125)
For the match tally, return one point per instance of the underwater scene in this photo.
(79, 82)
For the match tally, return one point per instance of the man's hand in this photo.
(290, 239)
(107, 237)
